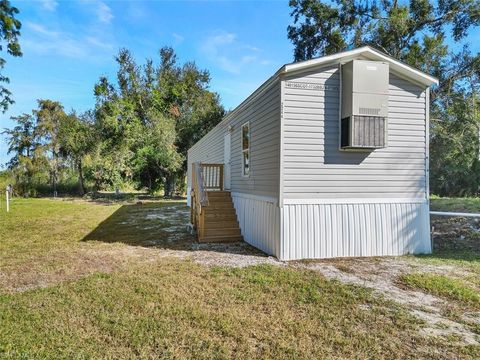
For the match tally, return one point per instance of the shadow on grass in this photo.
(105, 197)
(158, 225)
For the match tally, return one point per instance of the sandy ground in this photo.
(174, 240)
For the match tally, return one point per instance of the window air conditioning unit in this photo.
(364, 105)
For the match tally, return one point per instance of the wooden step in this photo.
(222, 239)
(222, 231)
(213, 208)
(222, 224)
(219, 205)
(218, 195)
(220, 216)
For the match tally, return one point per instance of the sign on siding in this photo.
(309, 86)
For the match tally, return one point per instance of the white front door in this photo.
(226, 161)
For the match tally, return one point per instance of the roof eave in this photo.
(399, 67)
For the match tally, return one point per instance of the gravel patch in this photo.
(381, 276)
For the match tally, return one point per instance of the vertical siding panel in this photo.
(342, 230)
(258, 220)
(316, 232)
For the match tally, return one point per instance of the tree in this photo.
(49, 117)
(22, 138)
(9, 34)
(416, 32)
(152, 115)
(76, 138)
(28, 160)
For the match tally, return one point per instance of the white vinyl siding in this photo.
(263, 116)
(313, 165)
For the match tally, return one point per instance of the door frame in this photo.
(227, 176)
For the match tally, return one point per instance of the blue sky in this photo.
(68, 45)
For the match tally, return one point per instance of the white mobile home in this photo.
(327, 158)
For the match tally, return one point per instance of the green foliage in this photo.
(9, 33)
(45, 145)
(6, 178)
(416, 32)
(76, 136)
(455, 152)
(149, 119)
(138, 133)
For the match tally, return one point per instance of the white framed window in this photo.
(245, 149)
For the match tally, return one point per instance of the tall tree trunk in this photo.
(80, 177)
(182, 176)
(149, 182)
(170, 185)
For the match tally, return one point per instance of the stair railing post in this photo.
(221, 177)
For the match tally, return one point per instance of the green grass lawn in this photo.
(455, 204)
(444, 286)
(82, 280)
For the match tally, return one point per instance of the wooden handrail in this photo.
(205, 177)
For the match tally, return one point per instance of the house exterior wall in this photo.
(305, 198)
(315, 167)
(256, 194)
(336, 203)
(263, 114)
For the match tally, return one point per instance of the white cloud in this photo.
(42, 40)
(104, 13)
(178, 38)
(42, 30)
(49, 5)
(226, 51)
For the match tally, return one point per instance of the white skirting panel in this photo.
(189, 199)
(356, 229)
(259, 219)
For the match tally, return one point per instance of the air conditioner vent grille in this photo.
(363, 132)
(369, 111)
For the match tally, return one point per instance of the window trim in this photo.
(243, 151)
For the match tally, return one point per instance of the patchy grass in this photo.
(82, 279)
(177, 309)
(462, 259)
(455, 204)
(443, 286)
(36, 227)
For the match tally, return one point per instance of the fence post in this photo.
(7, 193)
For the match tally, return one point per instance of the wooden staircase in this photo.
(212, 211)
(220, 222)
